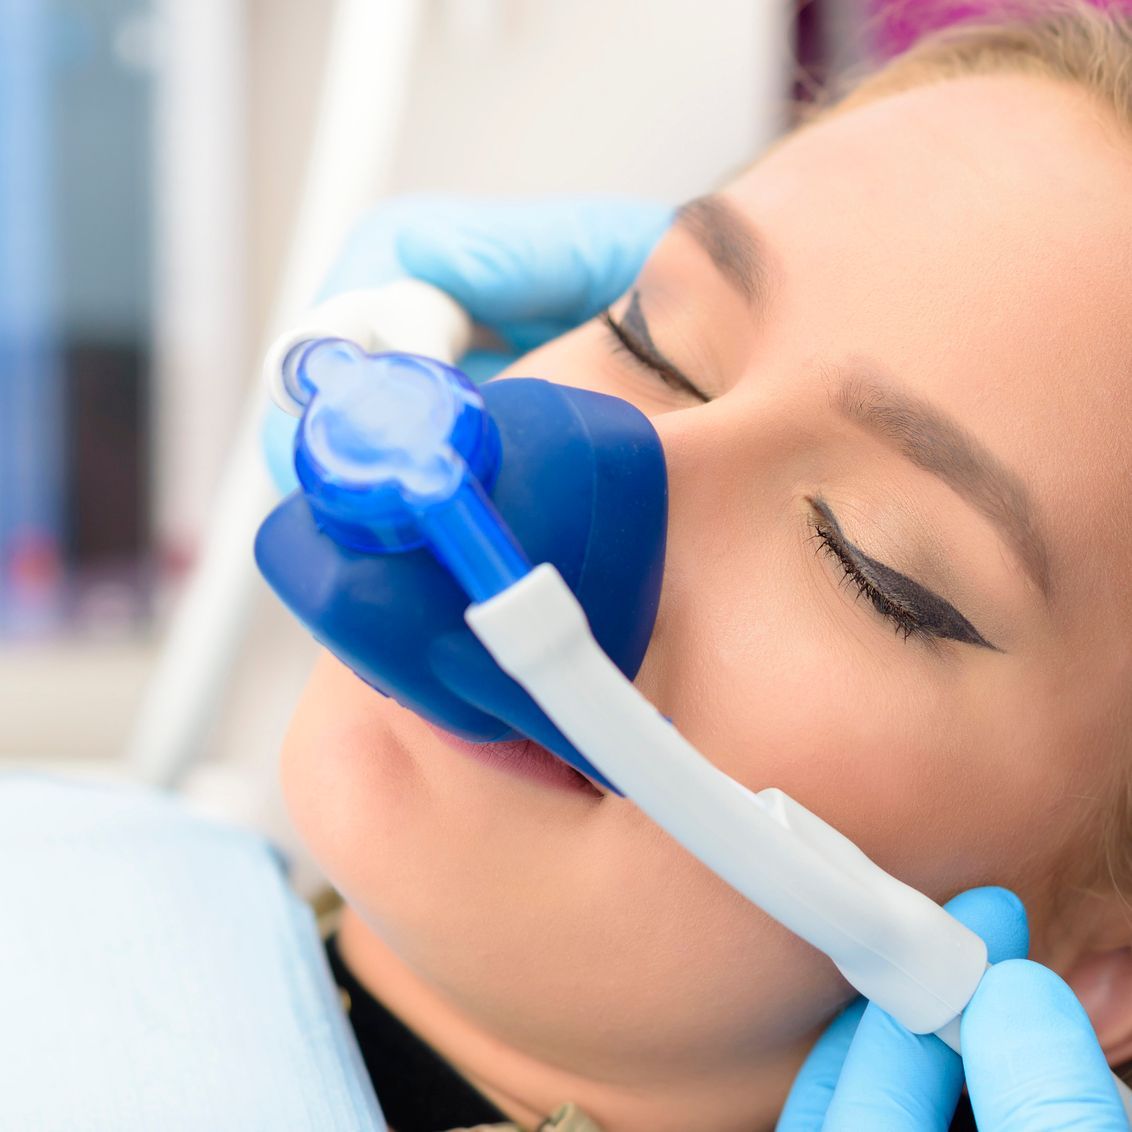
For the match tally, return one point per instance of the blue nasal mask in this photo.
(365, 558)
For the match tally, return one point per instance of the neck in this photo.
(736, 1099)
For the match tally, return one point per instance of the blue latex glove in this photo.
(529, 270)
(1031, 1058)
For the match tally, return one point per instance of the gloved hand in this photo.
(528, 270)
(1031, 1059)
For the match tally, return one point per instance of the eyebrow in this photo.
(921, 433)
(938, 444)
(733, 245)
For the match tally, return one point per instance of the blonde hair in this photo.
(1071, 41)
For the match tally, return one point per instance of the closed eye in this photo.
(632, 335)
(911, 608)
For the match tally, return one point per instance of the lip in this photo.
(523, 758)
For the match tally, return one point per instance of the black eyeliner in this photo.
(929, 613)
(634, 335)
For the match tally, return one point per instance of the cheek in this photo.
(346, 775)
(937, 765)
(941, 781)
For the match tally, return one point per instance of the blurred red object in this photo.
(897, 24)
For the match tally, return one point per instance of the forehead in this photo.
(974, 236)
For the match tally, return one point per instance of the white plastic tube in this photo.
(406, 315)
(896, 946)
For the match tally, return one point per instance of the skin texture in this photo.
(557, 946)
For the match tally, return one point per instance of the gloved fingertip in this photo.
(558, 260)
(368, 257)
(1021, 984)
(998, 916)
(492, 281)
(614, 239)
(633, 221)
(1025, 1025)
(813, 1088)
(894, 1080)
(424, 252)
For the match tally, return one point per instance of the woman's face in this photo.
(896, 586)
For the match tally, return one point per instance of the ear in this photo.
(1102, 979)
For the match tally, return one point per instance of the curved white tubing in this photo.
(896, 946)
(406, 315)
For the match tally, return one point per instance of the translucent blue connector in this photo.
(396, 451)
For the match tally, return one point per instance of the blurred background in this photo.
(156, 161)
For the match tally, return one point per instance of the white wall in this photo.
(656, 97)
(662, 98)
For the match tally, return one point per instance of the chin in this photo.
(344, 770)
(458, 866)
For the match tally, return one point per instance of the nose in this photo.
(732, 469)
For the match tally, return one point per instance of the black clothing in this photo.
(419, 1091)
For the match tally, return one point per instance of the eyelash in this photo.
(624, 343)
(905, 623)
